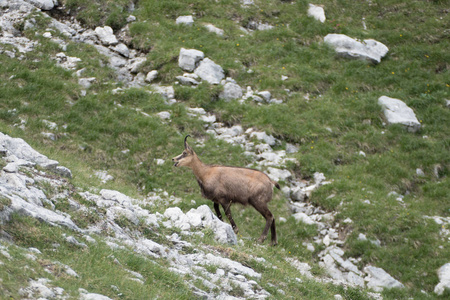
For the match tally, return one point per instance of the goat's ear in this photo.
(189, 149)
(186, 145)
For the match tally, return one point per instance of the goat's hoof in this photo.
(273, 243)
(261, 240)
(236, 230)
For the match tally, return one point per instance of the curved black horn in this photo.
(185, 144)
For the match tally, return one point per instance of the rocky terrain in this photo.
(28, 178)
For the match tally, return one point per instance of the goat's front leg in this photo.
(217, 209)
(226, 208)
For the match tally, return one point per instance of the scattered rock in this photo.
(185, 20)
(151, 76)
(316, 12)
(122, 49)
(347, 47)
(230, 92)
(397, 112)
(444, 279)
(164, 115)
(378, 279)
(188, 59)
(214, 29)
(183, 80)
(266, 95)
(106, 35)
(86, 82)
(43, 4)
(210, 71)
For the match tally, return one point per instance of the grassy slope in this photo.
(343, 96)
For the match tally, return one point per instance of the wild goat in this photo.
(226, 185)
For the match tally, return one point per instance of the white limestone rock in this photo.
(164, 115)
(167, 92)
(345, 46)
(214, 29)
(106, 36)
(185, 20)
(397, 112)
(188, 59)
(187, 80)
(266, 95)
(209, 71)
(151, 76)
(230, 92)
(21, 149)
(317, 12)
(43, 4)
(444, 279)
(269, 139)
(378, 279)
(122, 49)
(278, 174)
(86, 82)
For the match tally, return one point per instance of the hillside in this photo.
(344, 103)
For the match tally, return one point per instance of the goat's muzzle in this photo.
(175, 162)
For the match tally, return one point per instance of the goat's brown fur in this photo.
(226, 185)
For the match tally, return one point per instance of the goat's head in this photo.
(186, 157)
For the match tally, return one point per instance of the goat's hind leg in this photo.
(273, 232)
(270, 223)
(227, 209)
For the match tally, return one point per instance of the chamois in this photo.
(225, 185)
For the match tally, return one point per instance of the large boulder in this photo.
(189, 58)
(345, 46)
(397, 112)
(210, 71)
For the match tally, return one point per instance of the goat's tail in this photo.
(276, 184)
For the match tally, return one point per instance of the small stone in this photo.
(214, 29)
(130, 19)
(185, 20)
(47, 35)
(266, 95)
(151, 76)
(187, 80)
(420, 173)
(164, 115)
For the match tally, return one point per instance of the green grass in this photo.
(340, 119)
